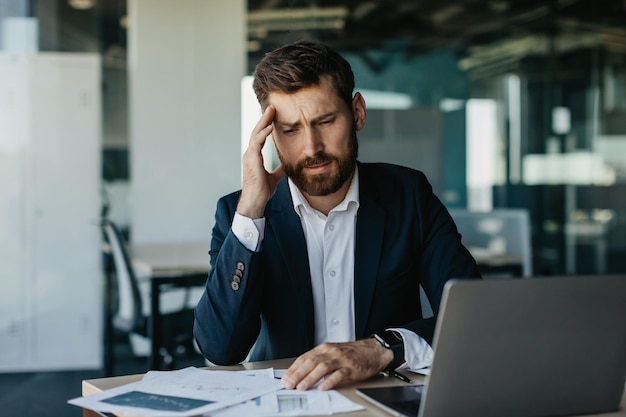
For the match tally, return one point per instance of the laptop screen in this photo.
(529, 347)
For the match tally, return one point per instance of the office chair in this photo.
(500, 240)
(132, 309)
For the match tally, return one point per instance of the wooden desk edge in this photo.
(94, 386)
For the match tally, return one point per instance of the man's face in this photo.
(315, 138)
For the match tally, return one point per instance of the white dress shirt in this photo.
(330, 243)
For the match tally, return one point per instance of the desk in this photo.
(94, 386)
(171, 257)
(181, 264)
(173, 264)
(500, 265)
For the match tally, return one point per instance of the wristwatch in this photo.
(394, 342)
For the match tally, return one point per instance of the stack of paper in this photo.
(192, 392)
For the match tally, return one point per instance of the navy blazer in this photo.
(404, 237)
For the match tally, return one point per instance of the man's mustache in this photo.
(320, 158)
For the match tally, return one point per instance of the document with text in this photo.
(192, 392)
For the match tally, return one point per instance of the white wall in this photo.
(50, 262)
(187, 58)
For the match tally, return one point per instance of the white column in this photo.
(187, 58)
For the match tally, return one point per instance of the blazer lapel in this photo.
(287, 227)
(370, 226)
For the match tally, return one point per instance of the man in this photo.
(313, 259)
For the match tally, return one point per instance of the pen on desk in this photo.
(399, 376)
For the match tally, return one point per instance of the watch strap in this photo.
(395, 343)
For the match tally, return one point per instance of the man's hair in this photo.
(301, 65)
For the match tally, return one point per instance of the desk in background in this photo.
(173, 264)
(171, 257)
(500, 265)
(180, 264)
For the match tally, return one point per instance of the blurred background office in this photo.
(138, 109)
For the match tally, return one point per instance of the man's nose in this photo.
(313, 141)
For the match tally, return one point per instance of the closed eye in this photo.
(287, 128)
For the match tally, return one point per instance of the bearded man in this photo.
(322, 259)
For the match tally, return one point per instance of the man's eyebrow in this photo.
(286, 124)
(324, 116)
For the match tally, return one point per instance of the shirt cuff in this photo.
(249, 232)
(417, 352)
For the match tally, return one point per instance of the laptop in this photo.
(521, 348)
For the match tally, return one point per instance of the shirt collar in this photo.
(351, 199)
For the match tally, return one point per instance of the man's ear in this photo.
(358, 111)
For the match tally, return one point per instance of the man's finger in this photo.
(332, 380)
(263, 124)
(314, 376)
(298, 370)
(257, 139)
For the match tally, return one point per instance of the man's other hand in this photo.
(337, 363)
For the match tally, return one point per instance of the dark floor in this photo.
(45, 394)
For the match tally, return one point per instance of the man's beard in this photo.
(326, 183)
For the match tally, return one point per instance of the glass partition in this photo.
(518, 104)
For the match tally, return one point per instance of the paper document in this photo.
(193, 392)
(187, 392)
(291, 403)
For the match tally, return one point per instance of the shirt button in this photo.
(248, 235)
(333, 273)
(335, 322)
(331, 227)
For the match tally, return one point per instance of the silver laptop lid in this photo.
(529, 347)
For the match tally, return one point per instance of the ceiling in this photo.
(482, 32)
(486, 35)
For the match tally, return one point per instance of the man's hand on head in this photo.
(258, 185)
(337, 363)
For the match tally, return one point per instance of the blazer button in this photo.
(238, 273)
(236, 279)
(240, 266)
(234, 286)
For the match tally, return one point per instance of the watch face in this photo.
(382, 341)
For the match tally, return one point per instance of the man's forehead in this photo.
(291, 108)
(290, 113)
(292, 116)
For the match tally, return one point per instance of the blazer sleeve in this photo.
(442, 255)
(227, 316)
